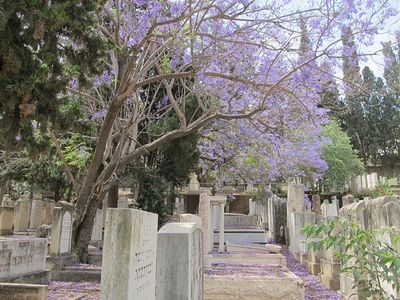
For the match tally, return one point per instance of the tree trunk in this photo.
(84, 231)
(112, 198)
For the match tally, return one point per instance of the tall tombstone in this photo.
(97, 231)
(205, 215)
(36, 211)
(47, 214)
(129, 255)
(295, 203)
(299, 221)
(180, 262)
(295, 197)
(316, 204)
(61, 232)
(6, 220)
(22, 212)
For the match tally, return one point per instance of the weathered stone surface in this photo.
(243, 235)
(298, 221)
(239, 220)
(189, 218)
(205, 215)
(329, 210)
(61, 233)
(18, 291)
(316, 205)
(97, 232)
(180, 262)
(21, 255)
(36, 214)
(245, 258)
(252, 283)
(269, 248)
(313, 268)
(348, 199)
(6, 220)
(129, 255)
(22, 212)
(47, 214)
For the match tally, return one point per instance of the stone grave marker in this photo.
(61, 233)
(22, 212)
(180, 262)
(6, 220)
(36, 212)
(129, 255)
(206, 221)
(97, 232)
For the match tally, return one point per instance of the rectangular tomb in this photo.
(251, 282)
(21, 256)
(245, 257)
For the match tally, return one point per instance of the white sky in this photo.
(375, 63)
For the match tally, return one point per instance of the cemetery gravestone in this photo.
(97, 232)
(205, 214)
(36, 213)
(61, 233)
(22, 212)
(180, 262)
(6, 220)
(129, 255)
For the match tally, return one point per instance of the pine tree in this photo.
(43, 45)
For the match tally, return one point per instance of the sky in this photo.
(375, 63)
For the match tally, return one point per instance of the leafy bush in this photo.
(365, 254)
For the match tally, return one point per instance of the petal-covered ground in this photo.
(91, 290)
(314, 289)
(59, 290)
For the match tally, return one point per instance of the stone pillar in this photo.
(179, 262)
(129, 255)
(22, 211)
(251, 208)
(205, 214)
(6, 220)
(221, 243)
(61, 232)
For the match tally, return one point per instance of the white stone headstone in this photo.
(129, 255)
(180, 262)
(66, 227)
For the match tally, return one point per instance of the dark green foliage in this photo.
(154, 190)
(370, 111)
(43, 45)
